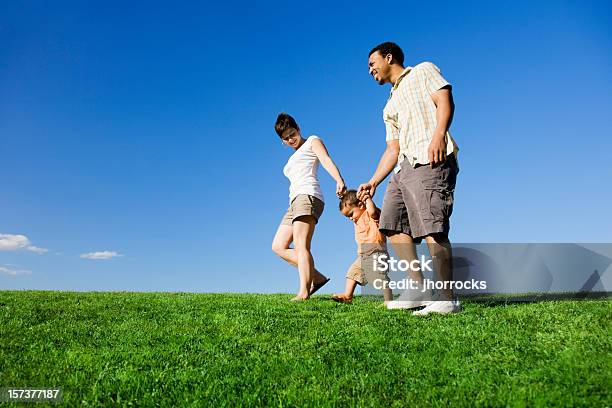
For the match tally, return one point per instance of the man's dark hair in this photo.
(284, 121)
(349, 199)
(389, 48)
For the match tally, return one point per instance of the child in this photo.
(370, 244)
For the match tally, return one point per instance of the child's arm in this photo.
(371, 208)
(328, 164)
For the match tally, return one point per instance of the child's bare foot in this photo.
(342, 298)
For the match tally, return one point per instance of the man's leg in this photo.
(404, 247)
(412, 297)
(442, 255)
(387, 295)
(428, 193)
(395, 224)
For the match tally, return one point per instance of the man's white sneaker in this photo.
(410, 299)
(441, 307)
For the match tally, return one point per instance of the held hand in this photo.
(437, 150)
(366, 189)
(340, 189)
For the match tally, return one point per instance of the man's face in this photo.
(379, 67)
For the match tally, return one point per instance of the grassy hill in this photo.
(253, 350)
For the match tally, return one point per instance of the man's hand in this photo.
(365, 190)
(437, 150)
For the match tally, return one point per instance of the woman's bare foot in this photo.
(300, 298)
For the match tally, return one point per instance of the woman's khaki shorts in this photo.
(301, 205)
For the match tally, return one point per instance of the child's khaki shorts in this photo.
(362, 270)
(301, 205)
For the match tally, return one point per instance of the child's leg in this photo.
(350, 287)
(353, 275)
(347, 296)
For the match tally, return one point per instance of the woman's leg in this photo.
(303, 230)
(281, 245)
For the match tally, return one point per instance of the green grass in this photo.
(261, 350)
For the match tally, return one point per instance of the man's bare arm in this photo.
(445, 108)
(385, 166)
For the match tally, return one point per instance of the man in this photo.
(419, 197)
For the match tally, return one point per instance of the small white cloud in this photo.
(8, 270)
(10, 242)
(100, 255)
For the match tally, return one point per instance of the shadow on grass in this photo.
(496, 299)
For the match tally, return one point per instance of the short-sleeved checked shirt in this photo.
(410, 113)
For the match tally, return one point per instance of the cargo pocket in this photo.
(440, 196)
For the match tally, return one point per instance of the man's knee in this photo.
(398, 237)
(437, 238)
(388, 233)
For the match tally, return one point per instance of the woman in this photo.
(305, 203)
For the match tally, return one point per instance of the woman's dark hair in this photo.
(284, 121)
(389, 48)
(349, 199)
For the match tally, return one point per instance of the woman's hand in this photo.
(340, 188)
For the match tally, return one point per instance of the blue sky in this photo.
(148, 131)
